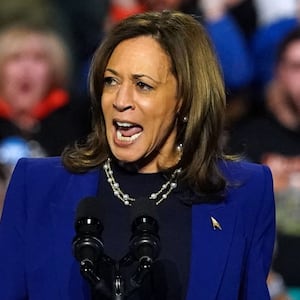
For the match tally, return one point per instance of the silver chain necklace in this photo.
(158, 197)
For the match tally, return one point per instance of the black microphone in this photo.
(145, 241)
(88, 247)
(87, 244)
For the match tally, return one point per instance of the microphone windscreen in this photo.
(89, 207)
(143, 207)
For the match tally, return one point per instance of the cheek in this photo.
(161, 124)
(10, 73)
(9, 80)
(292, 84)
(41, 74)
(107, 111)
(167, 111)
(105, 106)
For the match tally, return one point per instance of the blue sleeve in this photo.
(261, 247)
(12, 239)
(233, 52)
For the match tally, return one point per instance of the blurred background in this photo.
(45, 51)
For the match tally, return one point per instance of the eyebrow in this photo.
(135, 76)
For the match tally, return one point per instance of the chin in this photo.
(127, 153)
(125, 158)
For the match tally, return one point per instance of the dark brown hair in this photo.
(200, 86)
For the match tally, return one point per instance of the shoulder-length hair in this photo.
(200, 86)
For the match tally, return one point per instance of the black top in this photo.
(55, 131)
(263, 135)
(169, 274)
(257, 139)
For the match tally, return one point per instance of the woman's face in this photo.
(139, 103)
(25, 75)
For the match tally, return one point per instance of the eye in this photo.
(144, 86)
(110, 81)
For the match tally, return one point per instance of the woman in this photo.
(158, 108)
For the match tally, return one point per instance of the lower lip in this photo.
(124, 143)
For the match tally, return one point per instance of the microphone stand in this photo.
(118, 284)
(118, 290)
(142, 270)
(139, 275)
(87, 270)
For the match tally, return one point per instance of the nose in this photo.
(124, 98)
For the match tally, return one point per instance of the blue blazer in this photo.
(37, 228)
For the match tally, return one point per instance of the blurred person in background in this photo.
(80, 23)
(35, 103)
(273, 138)
(275, 19)
(234, 54)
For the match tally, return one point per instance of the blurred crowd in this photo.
(45, 50)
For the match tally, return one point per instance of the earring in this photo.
(179, 148)
(185, 119)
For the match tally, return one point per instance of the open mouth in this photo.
(127, 132)
(25, 87)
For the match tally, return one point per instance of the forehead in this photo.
(26, 43)
(292, 51)
(146, 45)
(140, 53)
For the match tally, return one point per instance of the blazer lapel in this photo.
(212, 231)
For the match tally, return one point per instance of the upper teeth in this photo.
(124, 124)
